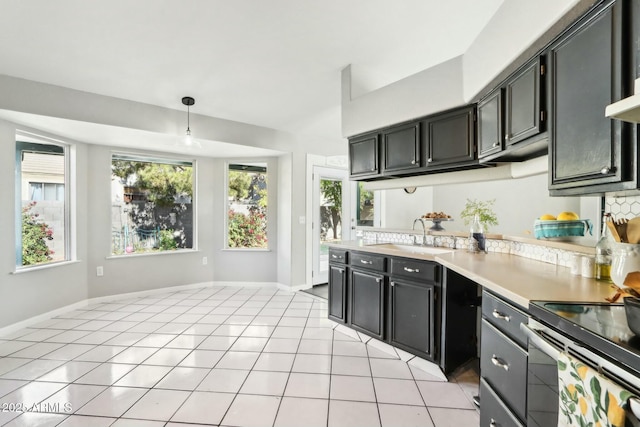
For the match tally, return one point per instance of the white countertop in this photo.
(517, 279)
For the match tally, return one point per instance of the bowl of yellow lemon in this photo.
(564, 226)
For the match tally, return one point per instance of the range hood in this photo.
(627, 109)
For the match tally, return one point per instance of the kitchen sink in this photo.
(427, 250)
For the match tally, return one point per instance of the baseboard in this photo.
(294, 288)
(138, 294)
(9, 329)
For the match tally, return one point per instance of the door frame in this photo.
(333, 167)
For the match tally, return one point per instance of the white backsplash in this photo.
(539, 252)
(623, 206)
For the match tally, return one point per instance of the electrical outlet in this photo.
(99, 271)
(205, 261)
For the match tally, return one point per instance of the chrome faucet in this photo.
(424, 232)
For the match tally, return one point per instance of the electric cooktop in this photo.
(602, 326)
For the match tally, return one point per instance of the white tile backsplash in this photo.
(539, 252)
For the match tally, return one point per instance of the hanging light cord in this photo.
(188, 123)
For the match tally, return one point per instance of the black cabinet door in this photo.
(363, 156)
(401, 148)
(587, 74)
(451, 137)
(366, 303)
(490, 124)
(412, 317)
(523, 112)
(337, 293)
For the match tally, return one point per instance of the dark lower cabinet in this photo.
(590, 152)
(338, 293)
(366, 302)
(494, 412)
(412, 317)
(503, 363)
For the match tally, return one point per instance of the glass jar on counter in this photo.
(625, 259)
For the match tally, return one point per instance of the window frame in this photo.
(267, 166)
(68, 152)
(163, 159)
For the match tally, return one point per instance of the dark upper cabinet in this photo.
(490, 124)
(401, 148)
(450, 138)
(363, 156)
(524, 115)
(589, 152)
(512, 119)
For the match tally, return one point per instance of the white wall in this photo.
(401, 209)
(519, 202)
(432, 90)
(514, 27)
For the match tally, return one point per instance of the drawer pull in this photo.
(366, 262)
(502, 316)
(493, 423)
(499, 363)
(393, 284)
(378, 280)
(334, 256)
(411, 270)
(496, 144)
(341, 270)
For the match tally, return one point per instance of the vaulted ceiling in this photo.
(273, 63)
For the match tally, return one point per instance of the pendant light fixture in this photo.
(188, 101)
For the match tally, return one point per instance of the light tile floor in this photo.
(226, 356)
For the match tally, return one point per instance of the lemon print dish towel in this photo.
(587, 398)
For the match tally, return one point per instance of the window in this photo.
(247, 206)
(42, 213)
(365, 206)
(151, 205)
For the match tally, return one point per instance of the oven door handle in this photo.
(544, 345)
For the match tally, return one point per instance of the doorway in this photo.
(331, 219)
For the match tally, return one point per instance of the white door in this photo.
(331, 216)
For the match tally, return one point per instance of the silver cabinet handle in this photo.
(499, 363)
(411, 270)
(496, 144)
(366, 262)
(392, 283)
(502, 316)
(378, 280)
(341, 270)
(506, 136)
(429, 160)
(334, 256)
(413, 162)
(605, 170)
(493, 423)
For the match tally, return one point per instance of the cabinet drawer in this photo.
(504, 366)
(493, 412)
(368, 261)
(415, 270)
(505, 317)
(338, 256)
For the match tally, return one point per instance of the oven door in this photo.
(542, 381)
(545, 346)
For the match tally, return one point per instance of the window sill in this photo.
(148, 254)
(23, 270)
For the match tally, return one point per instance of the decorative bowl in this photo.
(561, 229)
(632, 309)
